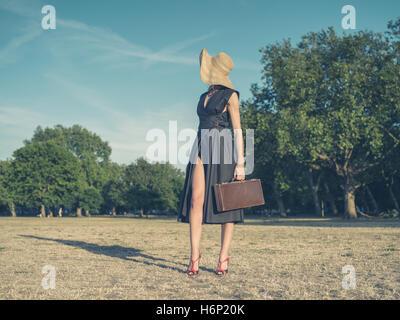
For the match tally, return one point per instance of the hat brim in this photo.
(209, 74)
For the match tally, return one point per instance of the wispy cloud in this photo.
(106, 45)
(8, 54)
(247, 65)
(16, 125)
(120, 52)
(169, 51)
(24, 8)
(28, 31)
(125, 132)
(19, 117)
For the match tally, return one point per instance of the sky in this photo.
(121, 68)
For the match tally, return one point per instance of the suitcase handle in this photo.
(238, 181)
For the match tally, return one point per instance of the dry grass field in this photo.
(130, 258)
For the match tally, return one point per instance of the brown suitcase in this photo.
(238, 194)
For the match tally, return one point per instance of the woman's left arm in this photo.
(233, 108)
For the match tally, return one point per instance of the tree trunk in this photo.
(12, 209)
(42, 211)
(396, 204)
(349, 200)
(114, 212)
(79, 212)
(314, 189)
(279, 200)
(322, 208)
(317, 205)
(371, 196)
(330, 199)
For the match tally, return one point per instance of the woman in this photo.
(197, 203)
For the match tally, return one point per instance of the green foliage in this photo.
(389, 214)
(335, 97)
(4, 173)
(6, 196)
(328, 103)
(272, 167)
(79, 141)
(114, 191)
(93, 153)
(91, 199)
(43, 173)
(153, 186)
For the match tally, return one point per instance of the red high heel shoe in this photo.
(192, 271)
(220, 271)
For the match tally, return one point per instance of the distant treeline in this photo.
(68, 170)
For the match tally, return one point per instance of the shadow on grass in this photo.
(116, 251)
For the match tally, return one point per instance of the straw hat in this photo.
(215, 70)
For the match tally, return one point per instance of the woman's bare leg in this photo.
(196, 210)
(226, 240)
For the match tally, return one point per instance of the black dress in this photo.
(214, 138)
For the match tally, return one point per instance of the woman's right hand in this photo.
(239, 172)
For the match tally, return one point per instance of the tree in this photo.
(92, 152)
(338, 102)
(153, 186)
(282, 177)
(90, 200)
(114, 191)
(168, 182)
(330, 190)
(43, 174)
(6, 194)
